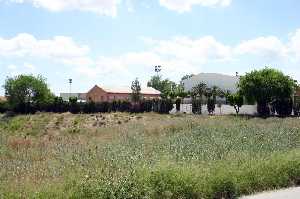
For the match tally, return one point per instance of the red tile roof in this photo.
(126, 90)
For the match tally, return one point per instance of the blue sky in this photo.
(110, 42)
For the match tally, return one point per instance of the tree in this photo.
(197, 97)
(265, 86)
(187, 77)
(136, 91)
(24, 92)
(73, 105)
(166, 87)
(236, 100)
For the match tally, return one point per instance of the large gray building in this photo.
(225, 82)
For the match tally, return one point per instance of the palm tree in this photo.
(199, 90)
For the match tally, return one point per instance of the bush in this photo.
(166, 105)
(89, 107)
(178, 103)
(296, 109)
(4, 107)
(197, 106)
(263, 109)
(146, 106)
(74, 106)
(284, 107)
(211, 106)
(125, 106)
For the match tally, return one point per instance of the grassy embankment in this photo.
(146, 156)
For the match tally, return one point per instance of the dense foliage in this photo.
(136, 91)
(27, 92)
(57, 105)
(166, 87)
(235, 100)
(266, 86)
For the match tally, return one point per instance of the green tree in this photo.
(187, 77)
(197, 97)
(266, 86)
(136, 91)
(166, 87)
(236, 100)
(27, 91)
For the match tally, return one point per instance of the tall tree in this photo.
(136, 91)
(25, 91)
(197, 97)
(266, 86)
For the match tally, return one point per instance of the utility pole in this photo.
(70, 82)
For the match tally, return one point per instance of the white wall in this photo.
(225, 109)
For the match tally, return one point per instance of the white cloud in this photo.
(199, 50)
(294, 44)
(60, 48)
(177, 55)
(268, 47)
(101, 7)
(186, 5)
(25, 68)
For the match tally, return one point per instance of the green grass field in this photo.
(120, 155)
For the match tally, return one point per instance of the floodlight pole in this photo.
(70, 82)
(157, 69)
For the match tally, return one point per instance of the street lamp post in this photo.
(70, 82)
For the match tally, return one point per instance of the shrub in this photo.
(197, 106)
(89, 107)
(284, 107)
(296, 109)
(166, 105)
(263, 109)
(211, 106)
(125, 106)
(178, 103)
(74, 106)
(4, 107)
(146, 106)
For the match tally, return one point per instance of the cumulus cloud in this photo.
(25, 68)
(178, 55)
(294, 44)
(59, 48)
(268, 47)
(200, 50)
(101, 7)
(186, 5)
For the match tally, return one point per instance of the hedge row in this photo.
(57, 105)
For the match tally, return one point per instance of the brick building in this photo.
(100, 94)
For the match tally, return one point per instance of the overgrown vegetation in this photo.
(269, 86)
(120, 155)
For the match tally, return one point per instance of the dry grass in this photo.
(50, 155)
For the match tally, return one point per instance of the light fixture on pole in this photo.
(70, 82)
(157, 69)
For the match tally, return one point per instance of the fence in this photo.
(223, 110)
